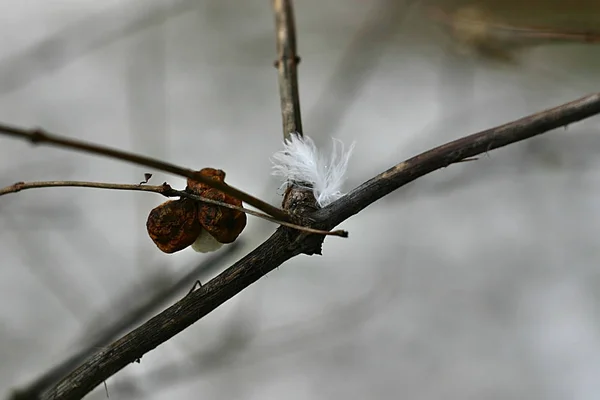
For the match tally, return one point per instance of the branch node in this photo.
(18, 186)
(166, 189)
(38, 135)
(296, 60)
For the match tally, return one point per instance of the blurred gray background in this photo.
(480, 281)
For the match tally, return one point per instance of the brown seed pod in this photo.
(224, 224)
(174, 225)
(198, 187)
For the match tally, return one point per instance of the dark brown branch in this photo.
(167, 191)
(41, 137)
(280, 247)
(35, 388)
(454, 152)
(283, 245)
(287, 67)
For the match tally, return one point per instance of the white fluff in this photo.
(300, 162)
(206, 243)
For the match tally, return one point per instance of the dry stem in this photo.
(38, 136)
(167, 191)
(287, 67)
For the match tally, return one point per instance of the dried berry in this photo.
(174, 225)
(198, 187)
(224, 224)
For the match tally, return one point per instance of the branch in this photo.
(131, 347)
(164, 189)
(282, 246)
(284, 243)
(34, 389)
(287, 67)
(38, 136)
(456, 151)
(287, 63)
(167, 191)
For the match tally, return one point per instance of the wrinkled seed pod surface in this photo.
(224, 224)
(174, 225)
(197, 187)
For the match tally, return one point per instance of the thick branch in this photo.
(131, 347)
(287, 67)
(108, 333)
(41, 137)
(285, 244)
(454, 152)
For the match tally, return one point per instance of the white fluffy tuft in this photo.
(300, 162)
(206, 243)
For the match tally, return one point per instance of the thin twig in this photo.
(17, 187)
(287, 63)
(340, 233)
(38, 136)
(502, 34)
(287, 67)
(165, 190)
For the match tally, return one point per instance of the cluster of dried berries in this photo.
(177, 224)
